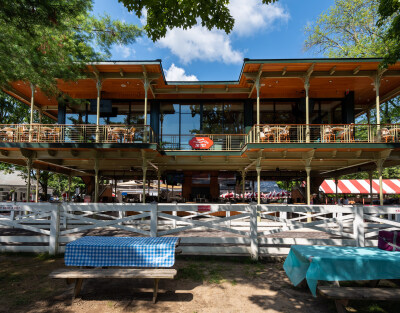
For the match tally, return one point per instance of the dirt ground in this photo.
(203, 284)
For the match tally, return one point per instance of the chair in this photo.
(328, 134)
(55, 134)
(267, 133)
(284, 134)
(130, 135)
(113, 135)
(386, 135)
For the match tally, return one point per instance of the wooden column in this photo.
(69, 188)
(32, 110)
(37, 185)
(96, 180)
(377, 84)
(336, 191)
(98, 86)
(144, 183)
(243, 183)
(158, 185)
(258, 169)
(307, 87)
(379, 165)
(370, 186)
(28, 185)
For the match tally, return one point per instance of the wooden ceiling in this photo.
(329, 78)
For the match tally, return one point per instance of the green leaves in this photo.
(348, 29)
(47, 39)
(162, 15)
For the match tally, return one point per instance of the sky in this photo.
(261, 32)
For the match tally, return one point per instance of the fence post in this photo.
(54, 230)
(175, 213)
(358, 225)
(253, 232)
(153, 220)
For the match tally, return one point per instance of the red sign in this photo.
(203, 208)
(201, 143)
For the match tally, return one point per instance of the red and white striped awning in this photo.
(361, 186)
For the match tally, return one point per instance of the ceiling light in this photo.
(330, 81)
(262, 85)
(123, 85)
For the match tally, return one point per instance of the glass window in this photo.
(233, 118)
(213, 116)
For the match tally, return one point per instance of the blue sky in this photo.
(265, 32)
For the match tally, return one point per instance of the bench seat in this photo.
(342, 295)
(77, 275)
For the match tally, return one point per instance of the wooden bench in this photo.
(77, 275)
(342, 295)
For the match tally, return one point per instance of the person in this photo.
(340, 201)
(345, 200)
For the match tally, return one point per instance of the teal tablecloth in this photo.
(328, 263)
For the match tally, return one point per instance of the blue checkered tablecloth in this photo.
(100, 251)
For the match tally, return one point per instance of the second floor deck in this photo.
(128, 135)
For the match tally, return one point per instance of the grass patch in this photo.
(191, 271)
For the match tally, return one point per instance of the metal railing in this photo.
(221, 142)
(265, 133)
(85, 133)
(324, 133)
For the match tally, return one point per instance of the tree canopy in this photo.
(348, 29)
(162, 15)
(389, 18)
(47, 39)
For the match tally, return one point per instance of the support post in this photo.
(37, 185)
(146, 84)
(69, 188)
(98, 86)
(258, 169)
(158, 185)
(377, 84)
(379, 165)
(153, 220)
(370, 186)
(253, 231)
(307, 87)
(308, 188)
(358, 225)
(144, 183)
(336, 190)
(258, 107)
(28, 185)
(96, 180)
(243, 183)
(31, 119)
(54, 230)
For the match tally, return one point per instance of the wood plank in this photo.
(168, 273)
(360, 293)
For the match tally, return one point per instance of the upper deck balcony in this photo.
(291, 135)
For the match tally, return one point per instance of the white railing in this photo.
(211, 229)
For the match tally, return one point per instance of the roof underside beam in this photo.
(322, 74)
(202, 91)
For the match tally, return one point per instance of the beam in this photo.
(322, 74)
(257, 78)
(205, 91)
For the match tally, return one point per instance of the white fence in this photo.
(209, 229)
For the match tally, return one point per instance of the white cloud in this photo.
(125, 51)
(199, 43)
(175, 73)
(251, 16)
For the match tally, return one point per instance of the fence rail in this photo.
(211, 229)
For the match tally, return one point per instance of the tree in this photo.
(162, 15)
(46, 39)
(350, 29)
(389, 18)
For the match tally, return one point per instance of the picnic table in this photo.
(140, 257)
(327, 263)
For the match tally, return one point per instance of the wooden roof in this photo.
(329, 78)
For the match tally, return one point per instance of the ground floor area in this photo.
(203, 284)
